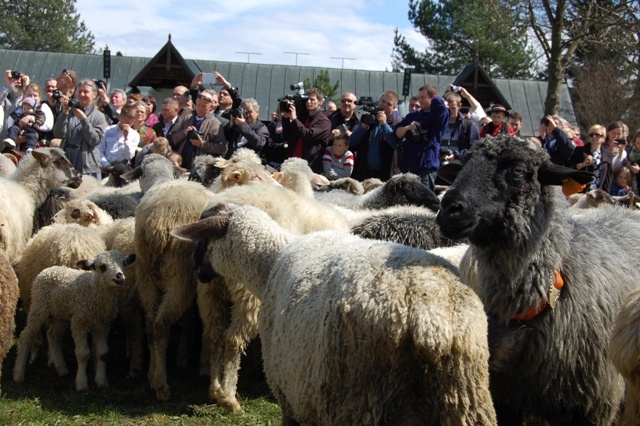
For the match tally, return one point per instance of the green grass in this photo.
(45, 399)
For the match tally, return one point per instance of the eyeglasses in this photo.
(206, 98)
(595, 135)
(346, 101)
(180, 94)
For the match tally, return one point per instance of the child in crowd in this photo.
(175, 158)
(621, 184)
(28, 128)
(337, 161)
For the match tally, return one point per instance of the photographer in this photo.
(373, 140)
(346, 114)
(555, 141)
(244, 129)
(421, 149)
(227, 95)
(201, 132)
(11, 95)
(459, 133)
(112, 105)
(81, 125)
(307, 139)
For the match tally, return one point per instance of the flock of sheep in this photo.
(375, 303)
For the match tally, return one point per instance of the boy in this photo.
(29, 129)
(337, 160)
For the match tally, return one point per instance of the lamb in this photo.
(25, 190)
(399, 190)
(84, 213)
(85, 299)
(539, 274)
(598, 197)
(8, 304)
(296, 175)
(56, 245)
(349, 185)
(385, 334)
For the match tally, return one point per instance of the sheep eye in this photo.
(518, 170)
(103, 268)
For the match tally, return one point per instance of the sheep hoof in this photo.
(80, 387)
(232, 406)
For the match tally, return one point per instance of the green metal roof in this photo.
(266, 83)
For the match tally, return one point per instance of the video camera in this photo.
(236, 109)
(299, 99)
(366, 105)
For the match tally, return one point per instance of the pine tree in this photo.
(43, 25)
(323, 82)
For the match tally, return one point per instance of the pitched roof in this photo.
(266, 83)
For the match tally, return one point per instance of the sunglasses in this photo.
(595, 135)
(206, 98)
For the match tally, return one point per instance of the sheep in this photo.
(296, 175)
(6, 166)
(400, 189)
(355, 331)
(205, 169)
(153, 170)
(624, 347)
(370, 184)
(598, 197)
(84, 213)
(349, 185)
(540, 274)
(412, 227)
(56, 245)
(8, 303)
(25, 190)
(85, 299)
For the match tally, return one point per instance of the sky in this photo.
(361, 31)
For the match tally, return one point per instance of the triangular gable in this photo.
(166, 70)
(476, 80)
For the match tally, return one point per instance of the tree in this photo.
(43, 25)
(323, 83)
(460, 32)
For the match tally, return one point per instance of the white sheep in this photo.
(355, 331)
(88, 300)
(7, 166)
(83, 212)
(25, 190)
(8, 303)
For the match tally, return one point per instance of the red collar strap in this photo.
(552, 299)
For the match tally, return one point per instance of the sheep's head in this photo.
(80, 211)
(501, 191)
(408, 189)
(153, 169)
(54, 158)
(205, 169)
(109, 264)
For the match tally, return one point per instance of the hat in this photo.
(498, 108)
(30, 101)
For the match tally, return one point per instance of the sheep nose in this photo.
(119, 278)
(453, 202)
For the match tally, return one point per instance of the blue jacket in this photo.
(422, 157)
(559, 147)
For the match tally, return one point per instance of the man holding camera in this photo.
(201, 132)
(112, 105)
(460, 132)
(373, 140)
(11, 95)
(422, 134)
(244, 129)
(307, 139)
(555, 141)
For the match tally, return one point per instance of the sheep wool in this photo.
(387, 334)
(8, 302)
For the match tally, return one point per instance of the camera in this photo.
(193, 134)
(299, 100)
(101, 84)
(366, 105)
(545, 121)
(454, 88)
(15, 74)
(621, 141)
(417, 135)
(236, 110)
(56, 95)
(74, 103)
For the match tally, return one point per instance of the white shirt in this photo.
(114, 148)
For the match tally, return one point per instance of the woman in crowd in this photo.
(152, 118)
(596, 158)
(81, 126)
(147, 135)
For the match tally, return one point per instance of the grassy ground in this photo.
(45, 399)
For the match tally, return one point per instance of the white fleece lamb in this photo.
(384, 334)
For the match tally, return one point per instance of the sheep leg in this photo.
(83, 353)
(99, 338)
(55, 338)
(243, 328)
(24, 345)
(149, 299)
(186, 326)
(135, 342)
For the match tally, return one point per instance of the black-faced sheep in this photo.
(543, 280)
(87, 300)
(25, 190)
(385, 334)
(8, 302)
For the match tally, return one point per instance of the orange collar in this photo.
(552, 299)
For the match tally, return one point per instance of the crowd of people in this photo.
(107, 133)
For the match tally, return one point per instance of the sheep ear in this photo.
(86, 265)
(277, 176)
(211, 227)
(319, 180)
(129, 259)
(449, 171)
(76, 213)
(221, 163)
(132, 174)
(42, 158)
(553, 174)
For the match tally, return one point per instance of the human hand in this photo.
(125, 129)
(293, 114)
(238, 120)
(79, 113)
(24, 80)
(24, 121)
(220, 80)
(381, 117)
(634, 167)
(552, 123)
(197, 81)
